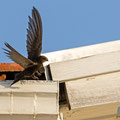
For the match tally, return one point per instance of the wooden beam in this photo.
(80, 52)
(100, 112)
(89, 66)
(93, 91)
(29, 86)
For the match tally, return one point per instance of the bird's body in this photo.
(30, 71)
(27, 73)
(34, 63)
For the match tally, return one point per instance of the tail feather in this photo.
(14, 82)
(18, 76)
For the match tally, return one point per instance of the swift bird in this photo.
(34, 62)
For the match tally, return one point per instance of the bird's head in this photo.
(43, 59)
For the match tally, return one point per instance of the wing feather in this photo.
(17, 57)
(34, 35)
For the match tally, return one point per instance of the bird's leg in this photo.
(37, 73)
(34, 77)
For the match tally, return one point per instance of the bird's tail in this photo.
(18, 76)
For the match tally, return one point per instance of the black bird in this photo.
(34, 63)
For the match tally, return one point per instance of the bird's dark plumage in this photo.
(34, 62)
(34, 35)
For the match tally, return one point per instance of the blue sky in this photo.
(66, 23)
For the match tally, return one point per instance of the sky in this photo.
(66, 23)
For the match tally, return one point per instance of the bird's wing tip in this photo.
(6, 43)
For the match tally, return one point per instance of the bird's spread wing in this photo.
(34, 35)
(17, 57)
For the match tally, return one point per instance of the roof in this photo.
(10, 67)
(82, 52)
